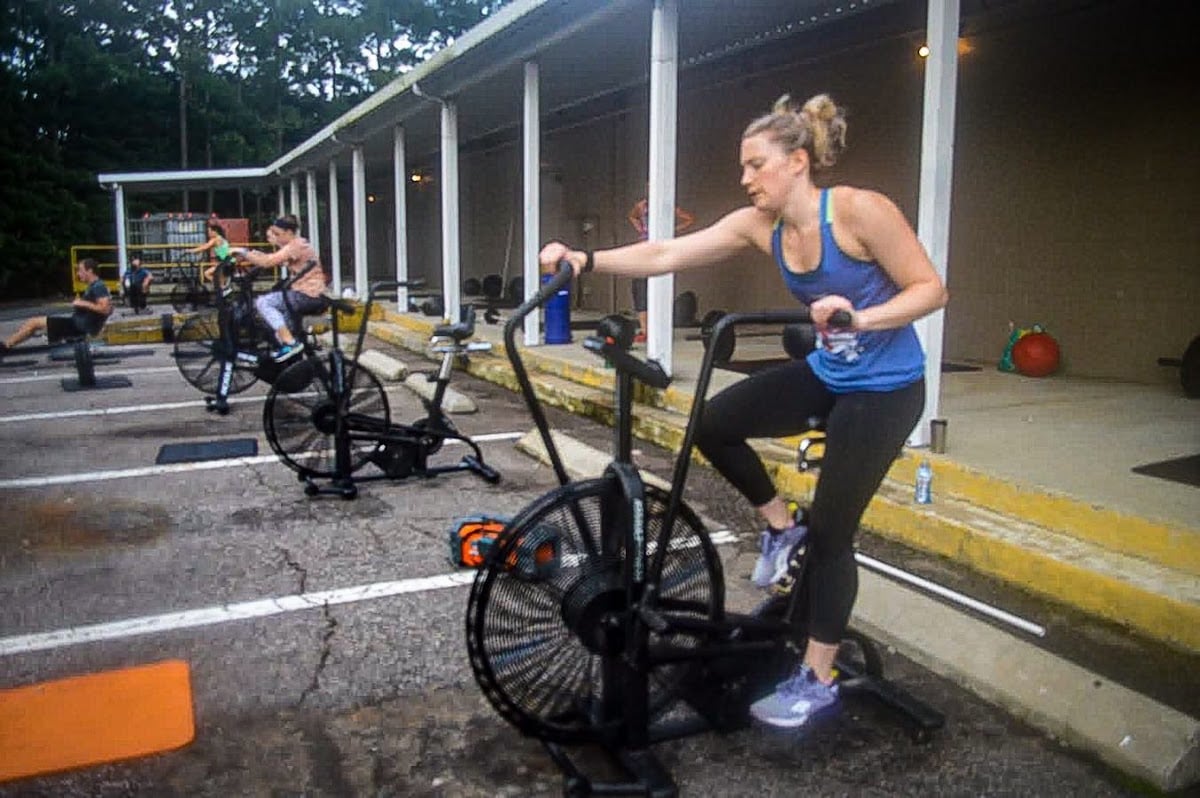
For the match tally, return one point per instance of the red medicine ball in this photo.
(1036, 354)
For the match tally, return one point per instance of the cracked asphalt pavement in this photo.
(371, 697)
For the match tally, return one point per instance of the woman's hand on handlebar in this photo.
(555, 252)
(822, 309)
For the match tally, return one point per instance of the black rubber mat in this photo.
(1181, 469)
(207, 450)
(72, 384)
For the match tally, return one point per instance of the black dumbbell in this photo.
(516, 290)
(433, 306)
(492, 286)
(685, 309)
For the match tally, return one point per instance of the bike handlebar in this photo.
(557, 282)
(840, 318)
(649, 372)
(552, 287)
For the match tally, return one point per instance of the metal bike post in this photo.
(623, 428)
(341, 394)
(229, 349)
(443, 380)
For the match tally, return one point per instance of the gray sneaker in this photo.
(798, 701)
(774, 548)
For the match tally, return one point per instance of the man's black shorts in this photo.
(60, 327)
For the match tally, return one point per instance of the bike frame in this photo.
(624, 704)
(228, 324)
(337, 376)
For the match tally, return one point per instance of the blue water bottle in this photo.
(558, 314)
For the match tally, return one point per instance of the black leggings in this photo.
(864, 432)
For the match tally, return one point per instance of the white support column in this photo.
(664, 72)
(451, 291)
(335, 243)
(400, 195)
(358, 167)
(937, 172)
(531, 136)
(122, 243)
(312, 222)
(281, 209)
(294, 197)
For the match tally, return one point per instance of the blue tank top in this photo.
(882, 360)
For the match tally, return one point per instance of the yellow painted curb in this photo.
(1163, 543)
(1101, 595)
(134, 331)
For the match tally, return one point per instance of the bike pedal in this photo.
(783, 587)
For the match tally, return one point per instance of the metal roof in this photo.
(587, 50)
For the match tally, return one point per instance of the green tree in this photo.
(95, 86)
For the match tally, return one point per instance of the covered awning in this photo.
(593, 58)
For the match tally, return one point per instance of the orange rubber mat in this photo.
(89, 720)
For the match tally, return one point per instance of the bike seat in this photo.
(342, 305)
(461, 331)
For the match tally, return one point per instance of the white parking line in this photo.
(124, 409)
(171, 621)
(177, 468)
(207, 616)
(127, 473)
(119, 410)
(59, 374)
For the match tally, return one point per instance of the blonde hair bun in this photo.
(818, 126)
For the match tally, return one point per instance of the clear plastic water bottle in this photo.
(924, 492)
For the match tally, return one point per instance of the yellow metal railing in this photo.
(166, 272)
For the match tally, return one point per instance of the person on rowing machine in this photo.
(89, 312)
(837, 248)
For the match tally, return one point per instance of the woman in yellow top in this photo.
(303, 297)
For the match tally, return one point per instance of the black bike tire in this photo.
(251, 338)
(544, 685)
(197, 350)
(200, 348)
(298, 417)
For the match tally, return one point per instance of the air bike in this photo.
(598, 617)
(327, 417)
